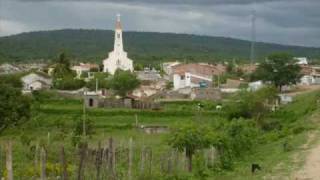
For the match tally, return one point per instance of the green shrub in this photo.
(69, 84)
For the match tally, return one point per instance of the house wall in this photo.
(34, 86)
(307, 80)
(178, 83)
(35, 81)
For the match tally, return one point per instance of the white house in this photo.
(148, 75)
(254, 86)
(36, 81)
(118, 57)
(194, 75)
(168, 67)
(83, 68)
(9, 69)
(307, 80)
(301, 60)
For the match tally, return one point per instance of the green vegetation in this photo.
(15, 108)
(123, 82)
(280, 69)
(143, 47)
(267, 138)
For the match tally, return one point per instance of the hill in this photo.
(143, 47)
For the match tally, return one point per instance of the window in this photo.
(182, 77)
(118, 35)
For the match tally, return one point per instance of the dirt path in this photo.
(311, 167)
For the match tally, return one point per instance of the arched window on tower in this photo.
(118, 35)
(118, 62)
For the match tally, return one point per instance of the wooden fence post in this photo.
(112, 167)
(63, 166)
(36, 156)
(212, 156)
(9, 160)
(150, 161)
(130, 159)
(99, 154)
(43, 159)
(137, 123)
(83, 149)
(142, 155)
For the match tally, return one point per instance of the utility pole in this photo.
(97, 85)
(253, 36)
(84, 113)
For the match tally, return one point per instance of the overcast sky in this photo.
(294, 22)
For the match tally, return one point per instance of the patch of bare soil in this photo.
(311, 167)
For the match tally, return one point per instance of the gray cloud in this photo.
(282, 21)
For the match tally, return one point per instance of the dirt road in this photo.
(311, 167)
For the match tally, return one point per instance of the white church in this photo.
(118, 57)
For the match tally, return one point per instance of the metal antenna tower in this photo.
(253, 35)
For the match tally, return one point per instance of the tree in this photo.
(14, 107)
(69, 83)
(101, 79)
(62, 68)
(191, 137)
(251, 104)
(280, 69)
(13, 80)
(123, 82)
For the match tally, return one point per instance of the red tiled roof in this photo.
(199, 69)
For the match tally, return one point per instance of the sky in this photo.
(294, 22)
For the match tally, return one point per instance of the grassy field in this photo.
(53, 123)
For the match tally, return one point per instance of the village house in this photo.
(32, 67)
(254, 86)
(231, 86)
(83, 68)
(36, 81)
(310, 75)
(206, 94)
(168, 67)
(9, 69)
(195, 75)
(148, 75)
(303, 61)
(248, 68)
(150, 89)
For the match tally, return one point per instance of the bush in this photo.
(69, 84)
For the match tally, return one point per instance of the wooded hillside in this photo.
(143, 47)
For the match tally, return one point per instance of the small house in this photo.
(36, 81)
(195, 75)
(206, 94)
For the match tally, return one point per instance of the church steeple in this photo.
(118, 44)
(118, 23)
(118, 58)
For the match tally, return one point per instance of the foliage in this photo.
(252, 104)
(14, 107)
(62, 68)
(169, 85)
(123, 82)
(13, 80)
(280, 69)
(191, 138)
(69, 84)
(143, 47)
(101, 79)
